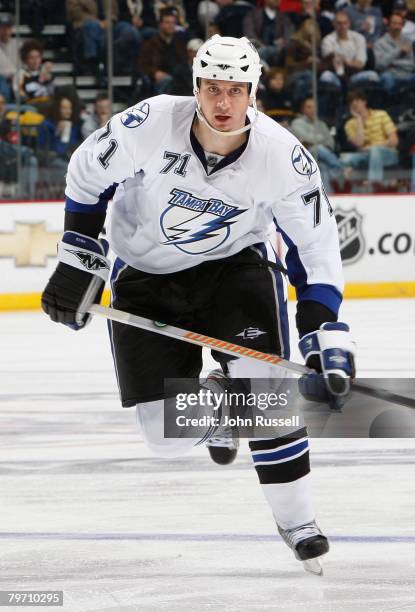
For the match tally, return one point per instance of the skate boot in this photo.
(308, 544)
(223, 450)
(224, 447)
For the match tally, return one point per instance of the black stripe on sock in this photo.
(284, 472)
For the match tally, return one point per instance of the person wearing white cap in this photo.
(196, 183)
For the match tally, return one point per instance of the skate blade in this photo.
(313, 566)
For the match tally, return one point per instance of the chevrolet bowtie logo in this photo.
(30, 244)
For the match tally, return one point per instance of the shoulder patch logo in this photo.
(303, 162)
(133, 117)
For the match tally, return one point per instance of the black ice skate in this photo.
(308, 544)
(222, 448)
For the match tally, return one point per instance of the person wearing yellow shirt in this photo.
(373, 134)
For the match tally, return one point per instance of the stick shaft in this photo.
(234, 350)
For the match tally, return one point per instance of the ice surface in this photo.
(85, 508)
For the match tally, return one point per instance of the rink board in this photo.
(377, 240)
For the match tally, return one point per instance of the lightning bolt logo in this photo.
(209, 229)
(195, 225)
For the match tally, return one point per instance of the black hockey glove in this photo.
(330, 351)
(78, 280)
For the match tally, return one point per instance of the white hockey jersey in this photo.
(169, 213)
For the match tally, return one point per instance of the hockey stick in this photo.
(234, 350)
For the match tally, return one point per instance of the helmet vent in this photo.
(244, 68)
(204, 64)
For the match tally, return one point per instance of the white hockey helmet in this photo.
(225, 58)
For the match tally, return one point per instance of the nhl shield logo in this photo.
(133, 117)
(352, 244)
(195, 225)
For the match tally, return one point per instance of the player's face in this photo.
(224, 104)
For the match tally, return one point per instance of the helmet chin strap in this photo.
(241, 130)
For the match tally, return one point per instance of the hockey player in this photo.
(195, 184)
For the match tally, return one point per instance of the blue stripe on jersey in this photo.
(116, 269)
(283, 314)
(325, 294)
(77, 207)
(100, 206)
(328, 295)
(282, 453)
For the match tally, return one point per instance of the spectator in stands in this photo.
(345, 52)
(99, 117)
(366, 19)
(299, 59)
(140, 13)
(231, 16)
(175, 7)
(315, 135)
(394, 56)
(325, 24)
(374, 135)
(269, 30)
(91, 18)
(59, 136)
(408, 30)
(275, 98)
(8, 57)
(163, 53)
(182, 75)
(35, 79)
(8, 155)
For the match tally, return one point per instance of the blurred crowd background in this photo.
(339, 74)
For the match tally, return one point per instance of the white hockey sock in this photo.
(291, 502)
(150, 420)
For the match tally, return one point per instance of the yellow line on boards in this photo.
(31, 301)
(404, 289)
(398, 289)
